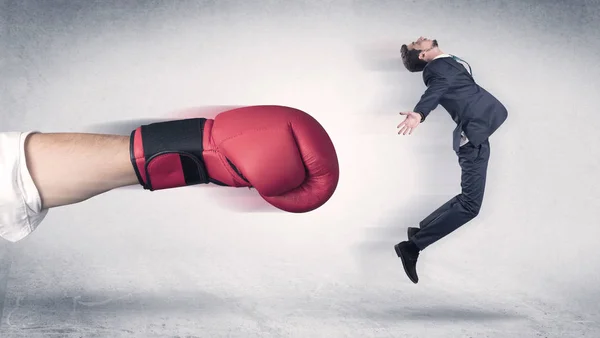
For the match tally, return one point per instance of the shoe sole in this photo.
(397, 249)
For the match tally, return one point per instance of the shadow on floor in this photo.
(436, 314)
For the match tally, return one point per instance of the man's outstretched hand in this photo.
(409, 124)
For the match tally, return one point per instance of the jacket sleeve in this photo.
(437, 86)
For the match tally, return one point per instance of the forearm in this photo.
(429, 101)
(437, 86)
(71, 167)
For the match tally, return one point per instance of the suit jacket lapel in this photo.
(458, 66)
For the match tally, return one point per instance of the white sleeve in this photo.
(20, 202)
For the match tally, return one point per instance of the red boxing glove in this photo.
(284, 153)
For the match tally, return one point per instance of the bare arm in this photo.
(69, 168)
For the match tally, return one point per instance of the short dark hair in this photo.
(410, 59)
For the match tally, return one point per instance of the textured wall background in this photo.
(208, 261)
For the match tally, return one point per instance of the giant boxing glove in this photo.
(282, 152)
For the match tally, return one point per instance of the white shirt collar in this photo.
(442, 56)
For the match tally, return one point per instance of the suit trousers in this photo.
(462, 208)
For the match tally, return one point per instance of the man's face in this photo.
(422, 44)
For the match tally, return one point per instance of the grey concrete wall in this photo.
(212, 262)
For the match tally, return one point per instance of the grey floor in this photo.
(215, 262)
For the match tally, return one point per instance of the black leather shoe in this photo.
(412, 231)
(409, 254)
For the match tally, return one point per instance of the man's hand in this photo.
(411, 122)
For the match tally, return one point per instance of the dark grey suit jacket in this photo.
(475, 111)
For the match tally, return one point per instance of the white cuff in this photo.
(20, 202)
